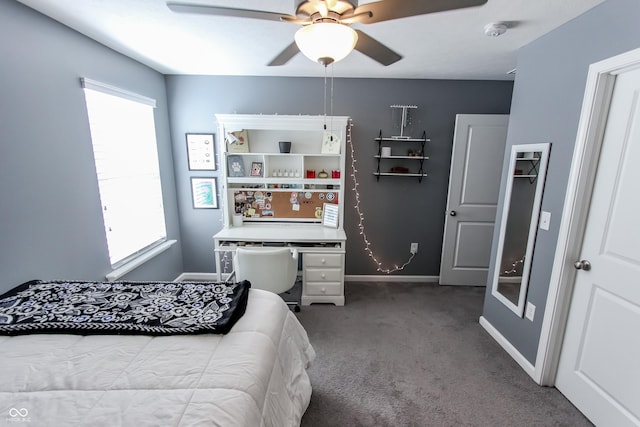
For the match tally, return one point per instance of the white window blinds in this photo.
(126, 158)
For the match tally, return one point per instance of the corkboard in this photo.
(295, 204)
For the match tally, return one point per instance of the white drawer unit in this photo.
(323, 278)
(323, 275)
(324, 260)
(318, 289)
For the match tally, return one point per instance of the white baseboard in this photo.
(509, 348)
(389, 278)
(349, 278)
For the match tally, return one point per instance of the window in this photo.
(126, 157)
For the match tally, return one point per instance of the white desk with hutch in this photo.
(278, 198)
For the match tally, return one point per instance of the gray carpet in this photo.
(410, 354)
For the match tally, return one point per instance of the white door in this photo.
(474, 183)
(599, 368)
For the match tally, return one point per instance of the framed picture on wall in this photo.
(201, 152)
(204, 193)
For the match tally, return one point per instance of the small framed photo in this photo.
(201, 152)
(204, 192)
(256, 169)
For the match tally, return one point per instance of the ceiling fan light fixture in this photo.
(326, 42)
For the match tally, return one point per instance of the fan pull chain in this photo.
(331, 102)
(325, 98)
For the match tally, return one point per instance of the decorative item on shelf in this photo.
(335, 174)
(323, 174)
(402, 118)
(311, 173)
(285, 146)
(414, 153)
(330, 215)
(330, 143)
(385, 151)
(256, 169)
(235, 164)
(399, 169)
(237, 141)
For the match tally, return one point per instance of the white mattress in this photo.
(253, 376)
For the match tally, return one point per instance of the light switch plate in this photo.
(545, 220)
(530, 311)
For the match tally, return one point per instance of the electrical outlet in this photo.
(530, 312)
(414, 248)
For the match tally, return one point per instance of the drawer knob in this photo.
(323, 275)
(323, 290)
(324, 261)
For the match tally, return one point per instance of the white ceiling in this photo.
(445, 45)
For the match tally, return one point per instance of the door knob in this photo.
(453, 213)
(582, 265)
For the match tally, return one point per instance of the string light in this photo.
(367, 243)
(514, 266)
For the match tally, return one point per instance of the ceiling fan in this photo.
(326, 24)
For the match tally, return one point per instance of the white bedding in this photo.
(253, 376)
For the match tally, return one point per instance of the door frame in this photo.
(593, 120)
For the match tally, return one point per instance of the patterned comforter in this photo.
(150, 308)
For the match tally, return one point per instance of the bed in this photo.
(254, 375)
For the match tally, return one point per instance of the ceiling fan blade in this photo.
(225, 11)
(284, 56)
(375, 50)
(393, 9)
(355, 17)
(295, 20)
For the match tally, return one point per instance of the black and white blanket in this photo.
(149, 308)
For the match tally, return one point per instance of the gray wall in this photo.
(397, 211)
(547, 99)
(50, 219)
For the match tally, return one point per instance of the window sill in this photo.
(137, 262)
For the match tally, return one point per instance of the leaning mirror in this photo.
(521, 210)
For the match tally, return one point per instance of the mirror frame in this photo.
(544, 149)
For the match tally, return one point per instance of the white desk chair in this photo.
(271, 269)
